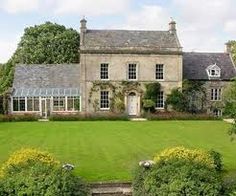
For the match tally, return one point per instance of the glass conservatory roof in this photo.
(45, 92)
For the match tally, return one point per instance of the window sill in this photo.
(104, 109)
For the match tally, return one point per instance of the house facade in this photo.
(115, 66)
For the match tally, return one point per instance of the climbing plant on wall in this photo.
(117, 91)
(151, 96)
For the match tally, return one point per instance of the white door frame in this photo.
(44, 106)
(132, 104)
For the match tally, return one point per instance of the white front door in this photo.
(132, 104)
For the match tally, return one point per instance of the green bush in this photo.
(177, 177)
(217, 157)
(19, 117)
(180, 171)
(89, 117)
(41, 179)
(179, 116)
(229, 185)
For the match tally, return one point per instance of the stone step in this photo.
(138, 119)
(111, 189)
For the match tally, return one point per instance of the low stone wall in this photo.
(111, 189)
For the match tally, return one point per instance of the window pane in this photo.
(22, 104)
(104, 100)
(77, 103)
(30, 104)
(104, 71)
(159, 71)
(160, 100)
(70, 103)
(36, 103)
(132, 72)
(15, 104)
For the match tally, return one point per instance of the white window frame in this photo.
(18, 103)
(213, 68)
(102, 107)
(217, 112)
(73, 98)
(216, 94)
(59, 106)
(160, 96)
(128, 71)
(33, 104)
(103, 71)
(159, 73)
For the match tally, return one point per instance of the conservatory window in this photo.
(73, 103)
(18, 104)
(59, 103)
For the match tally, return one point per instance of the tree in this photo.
(48, 43)
(42, 44)
(230, 105)
(233, 48)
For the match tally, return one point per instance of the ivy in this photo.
(118, 90)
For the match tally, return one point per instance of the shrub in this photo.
(18, 118)
(89, 117)
(180, 171)
(179, 116)
(41, 179)
(229, 184)
(177, 177)
(27, 156)
(217, 158)
(181, 153)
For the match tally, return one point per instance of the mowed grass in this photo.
(110, 150)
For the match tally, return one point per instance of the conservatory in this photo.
(46, 101)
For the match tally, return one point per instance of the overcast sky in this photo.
(202, 25)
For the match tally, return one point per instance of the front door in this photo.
(45, 107)
(132, 104)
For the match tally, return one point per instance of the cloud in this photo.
(7, 49)
(150, 17)
(91, 7)
(230, 27)
(204, 24)
(19, 6)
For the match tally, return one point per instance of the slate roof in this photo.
(58, 79)
(195, 64)
(130, 38)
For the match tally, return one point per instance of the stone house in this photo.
(114, 67)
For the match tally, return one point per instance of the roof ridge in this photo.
(135, 30)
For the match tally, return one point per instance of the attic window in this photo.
(213, 71)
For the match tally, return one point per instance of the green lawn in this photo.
(109, 150)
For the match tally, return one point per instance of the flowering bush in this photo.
(34, 172)
(181, 153)
(180, 171)
(26, 156)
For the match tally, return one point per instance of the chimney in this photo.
(83, 30)
(172, 26)
(228, 47)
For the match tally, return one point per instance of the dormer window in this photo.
(213, 71)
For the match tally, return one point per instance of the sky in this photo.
(202, 25)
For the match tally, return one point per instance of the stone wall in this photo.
(118, 69)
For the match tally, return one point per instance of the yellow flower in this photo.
(25, 155)
(182, 153)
